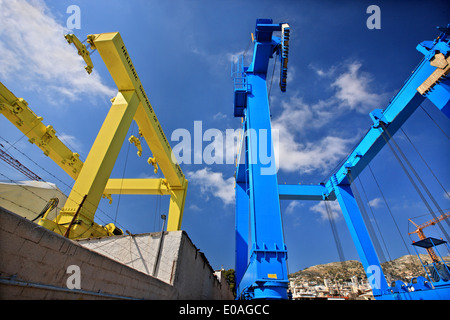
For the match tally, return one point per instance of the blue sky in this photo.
(338, 72)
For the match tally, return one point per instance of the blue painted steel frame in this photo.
(261, 254)
(397, 112)
(261, 269)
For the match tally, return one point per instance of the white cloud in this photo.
(309, 156)
(219, 116)
(34, 52)
(214, 184)
(353, 90)
(323, 72)
(218, 62)
(297, 117)
(375, 202)
(293, 207)
(194, 207)
(321, 209)
(72, 142)
(352, 87)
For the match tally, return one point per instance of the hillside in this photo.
(402, 268)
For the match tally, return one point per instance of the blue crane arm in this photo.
(429, 80)
(303, 192)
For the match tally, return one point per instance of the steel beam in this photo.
(98, 166)
(427, 81)
(241, 232)
(401, 107)
(117, 60)
(266, 274)
(304, 192)
(16, 110)
(137, 186)
(361, 239)
(261, 267)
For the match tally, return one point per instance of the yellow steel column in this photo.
(176, 208)
(92, 181)
(112, 49)
(118, 61)
(98, 166)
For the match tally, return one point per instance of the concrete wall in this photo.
(179, 263)
(34, 263)
(140, 252)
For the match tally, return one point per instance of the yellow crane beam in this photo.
(82, 51)
(153, 187)
(137, 186)
(130, 103)
(16, 110)
(117, 60)
(92, 178)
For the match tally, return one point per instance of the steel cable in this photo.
(386, 138)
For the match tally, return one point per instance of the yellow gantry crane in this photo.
(92, 178)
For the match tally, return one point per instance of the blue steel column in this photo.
(361, 238)
(267, 276)
(242, 223)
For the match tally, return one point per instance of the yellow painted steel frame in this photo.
(130, 103)
(17, 111)
(92, 179)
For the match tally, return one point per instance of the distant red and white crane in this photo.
(422, 236)
(13, 162)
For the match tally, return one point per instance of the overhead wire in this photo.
(271, 80)
(434, 121)
(366, 219)
(334, 230)
(421, 157)
(98, 210)
(157, 209)
(389, 210)
(28, 190)
(123, 176)
(388, 138)
(22, 136)
(68, 186)
(374, 217)
(149, 253)
(248, 47)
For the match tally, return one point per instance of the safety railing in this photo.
(238, 73)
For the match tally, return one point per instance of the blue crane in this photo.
(261, 254)
(261, 270)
